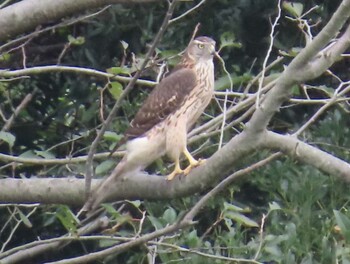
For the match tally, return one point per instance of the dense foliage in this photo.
(303, 212)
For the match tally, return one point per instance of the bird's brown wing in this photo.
(165, 99)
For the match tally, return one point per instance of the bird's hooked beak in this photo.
(212, 49)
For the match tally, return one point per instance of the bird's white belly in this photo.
(144, 150)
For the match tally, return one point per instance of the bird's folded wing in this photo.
(166, 98)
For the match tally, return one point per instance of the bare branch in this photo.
(72, 69)
(58, 161)
(18, 109)
(187, 12)
(15, 256)
(272, 37)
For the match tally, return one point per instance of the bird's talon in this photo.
(193, 165)
(175, 172)
(201, 162)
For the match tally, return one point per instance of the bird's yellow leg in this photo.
(177, 170)
(193, 162)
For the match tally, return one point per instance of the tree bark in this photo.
(153, 187)
(26, 15)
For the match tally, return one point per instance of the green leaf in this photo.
(8, 138)
(115, 89)
(223, 83)
(155, 222)
(294, 9)
(232, 207)
(242, 219)
(295, 90)
(169, 215)
(24, 219)
(112, 136)
(135, 203)
(29, 154)
(118, 70)
(5, 57)
(105, 243)
(120, 218)
(67, 218)
(274, 206)
(227, 40)
(44, 154)
(105, 166)
(235, 208)
(343, 222)
(76, 41)
(192, 239)
(125, 44)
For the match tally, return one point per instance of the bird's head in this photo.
(201, 49)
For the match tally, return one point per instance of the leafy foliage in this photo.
(302, 213)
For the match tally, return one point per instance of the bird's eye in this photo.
(200, 46)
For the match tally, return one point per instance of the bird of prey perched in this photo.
(160, 126)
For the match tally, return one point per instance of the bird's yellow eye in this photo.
(200, 46)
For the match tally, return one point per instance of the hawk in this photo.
(160, 126)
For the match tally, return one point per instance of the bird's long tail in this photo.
(101, 193)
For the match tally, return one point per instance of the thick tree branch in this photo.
(26, 15)
(137, 186)
(143, 186)
(300, 69)
(308, 154)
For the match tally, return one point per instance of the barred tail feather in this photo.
(105, 189)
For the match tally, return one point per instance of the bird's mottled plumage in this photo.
(164, 100)
(160, 127)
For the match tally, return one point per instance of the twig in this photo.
(195, 32)
(187, 12)
(225, 70)
(57, 161)
(125, 246)
(309, 101)
(18, 109)
(13, 230)
(81, 70)
(261, 236)
(322, 109)
(261, 80)
(17, 255)
(223, 124)
(63, 24)
(257, 77)
(223, 184)
(63, 52)
(89, 165)
(24, 60)
(5, 3)
(231, 111)
(126, 239)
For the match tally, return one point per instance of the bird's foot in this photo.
(192, 165)
(175, 172)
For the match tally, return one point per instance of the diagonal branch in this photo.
(300, 69)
